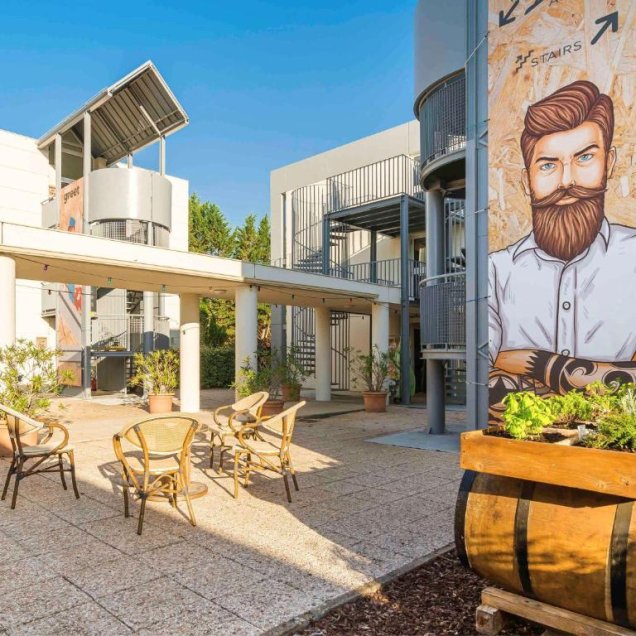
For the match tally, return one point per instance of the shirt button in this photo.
(565, 352)
(566, 305)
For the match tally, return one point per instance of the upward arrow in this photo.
(507, 18)
(611, 19)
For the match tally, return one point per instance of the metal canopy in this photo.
(132, 113)
(383, 216)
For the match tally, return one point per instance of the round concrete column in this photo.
(190, 374)
(246, 324)
(323, 354)
(380, 326)
(435, 384)
(7, 301)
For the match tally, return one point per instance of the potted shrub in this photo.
(293, 375)
(374, 369)
(268, 376)
(158, 373)
(29, 378)
(546, 505)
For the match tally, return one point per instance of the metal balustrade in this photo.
(374, 182)
(443, 119)
(117, 332)
(443, 311)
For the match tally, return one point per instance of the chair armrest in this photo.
(60, 427)
(238, 425)
(240, 434)
(119, 453)
(217, 412)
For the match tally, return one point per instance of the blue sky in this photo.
(264, 83)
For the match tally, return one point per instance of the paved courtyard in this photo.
(251, 565)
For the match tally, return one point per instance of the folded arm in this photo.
(563, 373)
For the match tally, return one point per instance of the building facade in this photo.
(82, 173)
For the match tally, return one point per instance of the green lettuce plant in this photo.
(526, 414)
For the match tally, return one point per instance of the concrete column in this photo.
(149, 321)
(380, 326)
(189, 348)
(7, 301)
(323, 354)
(405, 318)
(246, 324)
(86, 289)
(435, 385)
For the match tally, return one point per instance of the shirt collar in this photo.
(529, 243)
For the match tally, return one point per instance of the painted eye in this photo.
(586, 157)
(546, 167)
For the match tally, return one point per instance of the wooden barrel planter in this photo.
(571, 548)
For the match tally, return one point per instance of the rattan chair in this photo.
(259, 454)
(18, 426)
(229, 419)
(162, 466)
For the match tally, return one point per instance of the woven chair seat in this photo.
(45, 449)
(156, 467)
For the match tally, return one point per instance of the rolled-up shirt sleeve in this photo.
(494, 321)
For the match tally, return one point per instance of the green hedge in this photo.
(217, 367)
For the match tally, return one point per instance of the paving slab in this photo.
(251, 564)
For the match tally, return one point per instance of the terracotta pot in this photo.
(374, 401)
(161, 403)
(273, 407)
(6, 450)
(290, 392)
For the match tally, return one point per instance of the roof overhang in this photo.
(127, 116)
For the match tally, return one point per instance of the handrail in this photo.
(424, 281)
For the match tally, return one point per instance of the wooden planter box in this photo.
(604, 471)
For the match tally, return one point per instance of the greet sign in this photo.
(562, 204)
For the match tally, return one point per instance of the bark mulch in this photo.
(439, 597)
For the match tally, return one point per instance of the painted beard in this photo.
(565, 231)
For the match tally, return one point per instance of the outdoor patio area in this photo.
(252, 564)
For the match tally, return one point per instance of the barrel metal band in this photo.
(618, 562)
(465, 487)
(521, 536)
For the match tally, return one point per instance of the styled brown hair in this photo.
(567, 108)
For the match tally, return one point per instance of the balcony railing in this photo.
(117, 332)
(374, 182)
(443, 311)
(443, 119)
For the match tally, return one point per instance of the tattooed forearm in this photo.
(562, 373)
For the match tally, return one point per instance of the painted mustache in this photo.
(578, 192)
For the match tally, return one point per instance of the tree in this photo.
(211, 233)
(209, 230)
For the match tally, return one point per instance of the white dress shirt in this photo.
(585, 308)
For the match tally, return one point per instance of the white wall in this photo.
(24, 184)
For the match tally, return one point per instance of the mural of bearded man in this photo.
(561, 300)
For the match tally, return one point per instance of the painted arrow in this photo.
(507, 18)
(533, 6)
(611, 19)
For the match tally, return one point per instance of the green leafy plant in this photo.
(267, 376)
(29, 377)
(526, 414)
(374, 369)
(293, 372)
(572, 407)
(157, 371)
(217, 366)
(615, 431)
